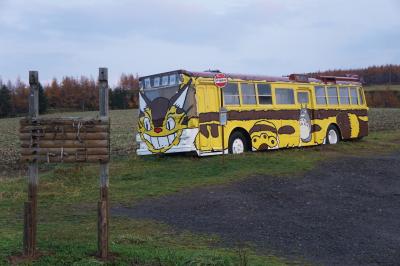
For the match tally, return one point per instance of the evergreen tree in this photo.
(43, 101)
(5, 101)
(119, 99)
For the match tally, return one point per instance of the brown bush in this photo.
(388, 98)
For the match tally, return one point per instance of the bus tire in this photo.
(332, 135)
(237, 143)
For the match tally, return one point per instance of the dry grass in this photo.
(123, 124)
(382, 87)
(123, 129)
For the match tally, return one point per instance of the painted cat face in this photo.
(162, 120)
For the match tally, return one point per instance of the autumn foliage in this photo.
(68, 94)
(374, 75)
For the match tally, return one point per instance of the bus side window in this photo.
(332, 95)
(320, 94)
(284, 96)
(302, 97)
(231, 94)
(344, 95)
(361, 96)
(353, 95)
(248, 93)
(264, 93)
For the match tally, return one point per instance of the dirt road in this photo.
(345, 212)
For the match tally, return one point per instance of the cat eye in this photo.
(170, 123)
(146, 123)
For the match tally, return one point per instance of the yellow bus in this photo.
(181, 111)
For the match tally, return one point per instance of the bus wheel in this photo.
(237, 143)
(332, 135)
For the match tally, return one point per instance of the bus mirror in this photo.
(223, 116)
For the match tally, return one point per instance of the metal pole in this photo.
(222, 129)
(30, 211)
(103, 205)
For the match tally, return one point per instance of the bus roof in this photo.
(300, 78)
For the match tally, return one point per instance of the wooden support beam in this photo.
(102, 229)
(103, 218)
(30, 215)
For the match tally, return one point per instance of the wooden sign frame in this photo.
(73, 140)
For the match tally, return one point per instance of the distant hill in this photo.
(373, 75)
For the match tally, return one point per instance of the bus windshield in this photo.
(164, 92)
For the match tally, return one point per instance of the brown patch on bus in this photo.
(344, 124)
(363, 128)
(204, 131)
(262, 127)
(287, 130)
(315, 128)
(214, 130)
(275, 115)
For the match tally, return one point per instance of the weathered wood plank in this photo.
(67, 136)
(67, 151)
(63, 121)
(64, 129)
(66, 159)
(66, 144)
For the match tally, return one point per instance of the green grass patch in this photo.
(68, 195)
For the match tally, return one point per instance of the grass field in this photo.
(123, 124)
(68, 195)
(382, 87)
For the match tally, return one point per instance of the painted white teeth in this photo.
(171, 138)
(163, 141)
(160, 142)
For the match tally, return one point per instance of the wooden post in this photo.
(30, 212)
(103, 205)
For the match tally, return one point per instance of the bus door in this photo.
(304, 99)
(207, 105)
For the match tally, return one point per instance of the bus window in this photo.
(302, 97)
(248, 93)
(284, 96)
(344, 95)
(361, 95)
(231, 94)
(353, 96)
(320, 94)
(264, 94)
(332, 95)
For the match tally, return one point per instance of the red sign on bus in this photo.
(220, 80)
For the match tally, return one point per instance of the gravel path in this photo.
(344, 212)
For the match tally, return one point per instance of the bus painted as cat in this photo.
(179, 112)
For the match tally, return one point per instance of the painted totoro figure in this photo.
(305, 125)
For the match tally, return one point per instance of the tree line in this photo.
(373, 75)
(69, 93)
(82, 93)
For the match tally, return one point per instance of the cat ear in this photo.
(180, 101)
(143, 102)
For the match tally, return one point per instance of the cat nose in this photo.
(157, 129)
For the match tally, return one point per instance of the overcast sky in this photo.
(276, 37)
